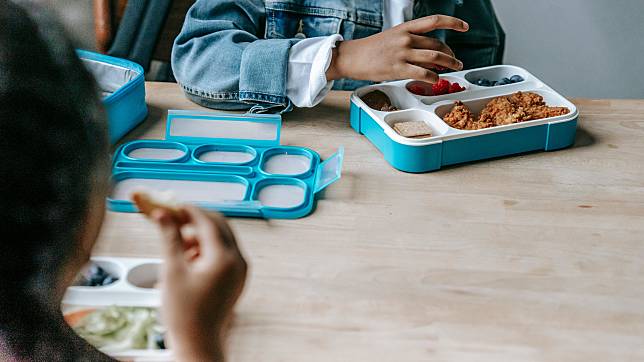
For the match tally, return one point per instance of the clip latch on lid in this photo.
(329, 171)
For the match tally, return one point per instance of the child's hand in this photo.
(202, 278)
(401, 52)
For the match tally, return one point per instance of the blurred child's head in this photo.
(54, 154)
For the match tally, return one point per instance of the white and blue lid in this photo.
(245, 129)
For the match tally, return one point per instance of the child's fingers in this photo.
(427, 58)
(434, 22)
(173, 243)
(426, 42)
(208, 232)
(419, 73)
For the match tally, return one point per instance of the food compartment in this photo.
(281, 193)
(156, 151)
(497, 76)
(145, 276)
(386, 98)
(99, 274)
(180, 187)
(446, 86)
(123, 332)
(505, 114)
(416, 124)
(224, 154)
(287, 161)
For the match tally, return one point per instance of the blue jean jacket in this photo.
(234, 54)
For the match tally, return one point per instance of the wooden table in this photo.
(527, 258)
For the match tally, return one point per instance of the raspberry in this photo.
(455, 88)
(441, 88)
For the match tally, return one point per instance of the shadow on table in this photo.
(584, 139)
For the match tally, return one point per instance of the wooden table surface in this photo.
(538, 257)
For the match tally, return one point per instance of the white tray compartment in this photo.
(205, 191)
(497, 73)
(127, 291)
(476, 105)
(399, 96)
(145, 276)
(437, 125)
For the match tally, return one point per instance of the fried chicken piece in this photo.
(547, 112)
(535, 107)
(526, 99)
(501, 111)
(459, 117)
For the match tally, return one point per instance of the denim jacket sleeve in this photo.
(221, 60)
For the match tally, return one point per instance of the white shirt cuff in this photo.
(308, 61)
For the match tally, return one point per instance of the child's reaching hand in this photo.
(202, 279)
(401, 52)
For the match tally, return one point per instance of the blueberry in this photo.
(480, 81)
(96, 281)
(109, 280)
(516, 79)
(495, 83)
(94, 270)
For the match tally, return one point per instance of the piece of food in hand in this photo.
(146, 204)
(94, 276)
(379, 101)
(413, 129)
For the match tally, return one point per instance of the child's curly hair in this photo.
(54, 149)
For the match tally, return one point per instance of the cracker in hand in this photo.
(146, 204)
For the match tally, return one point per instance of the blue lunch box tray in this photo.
(122, 84)
(230, 163)
(449, 146)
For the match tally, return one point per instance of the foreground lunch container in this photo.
(137, 286)
(449, 146)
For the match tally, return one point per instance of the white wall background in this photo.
(582, 48)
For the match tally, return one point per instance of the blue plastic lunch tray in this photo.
(230, 163)
(122, 85)
(449, 146)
